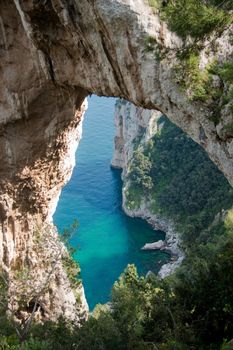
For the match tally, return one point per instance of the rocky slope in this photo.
(134, 127)
(52, 55)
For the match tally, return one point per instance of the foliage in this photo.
(195, 305)
(187, 186)
(202, 285)
(35, 344)
(152, 45)
(140, 169)
(195, 81)
(72, 269)
(191, 309)
(227, 345)
(71, 266)
(140, 180)
(226, 72)
(198, 83)
(99, 332)
(201, 84)
(197, 18)
(133, 196)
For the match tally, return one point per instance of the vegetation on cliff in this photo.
(190, 310)
(181, 183)
(197, 18)
(199, 23)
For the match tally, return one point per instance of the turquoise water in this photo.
(107, 240)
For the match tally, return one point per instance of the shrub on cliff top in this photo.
(196, 18)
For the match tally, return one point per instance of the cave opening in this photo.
(106, 239)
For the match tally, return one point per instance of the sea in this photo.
(106, 240)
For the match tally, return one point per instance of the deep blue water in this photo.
(107, 240)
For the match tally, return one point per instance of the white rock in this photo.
(154, 246)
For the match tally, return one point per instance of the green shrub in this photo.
(226, 72)
(133, 197)
(196, 82)
(187, 186)
(195, 18)
(139, 170)
(72, 269)
(36, 344)
(6, 343)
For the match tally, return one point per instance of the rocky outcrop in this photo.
(172, 240)
(154, 246)
(39, 133)
(135, 126)
(45, 281)
(52, 55)
(40, 127)
(28, 200)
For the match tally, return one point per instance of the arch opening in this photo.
(106, 239)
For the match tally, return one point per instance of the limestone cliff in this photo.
(41, 126)
(135, 126)
(167, 178)
(54, 53)
(29, 197)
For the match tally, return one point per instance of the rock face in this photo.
(52, 55)
(172, 241)
(134, 127)
(40, 129)
(28, 200)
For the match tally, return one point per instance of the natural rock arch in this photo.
(53, 54)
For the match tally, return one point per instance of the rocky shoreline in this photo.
(171, 242)
(136, 125)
